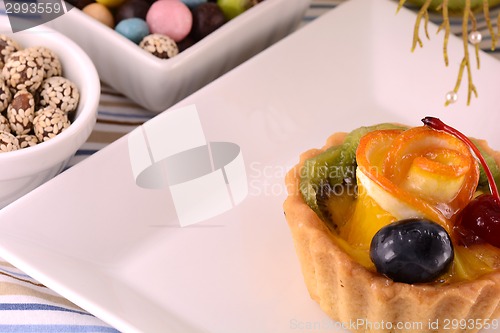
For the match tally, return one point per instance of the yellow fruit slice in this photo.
(420, 172)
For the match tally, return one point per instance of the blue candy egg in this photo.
(134, 29)
(193, 3)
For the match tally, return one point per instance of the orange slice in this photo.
(420, 172)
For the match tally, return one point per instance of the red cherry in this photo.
(479, 221)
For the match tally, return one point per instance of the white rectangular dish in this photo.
(157, 84)
(117, 250)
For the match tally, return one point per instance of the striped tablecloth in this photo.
(28, 306)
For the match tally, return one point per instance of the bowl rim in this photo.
(84, 121)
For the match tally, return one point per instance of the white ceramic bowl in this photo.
(24, 169)
(157, 84)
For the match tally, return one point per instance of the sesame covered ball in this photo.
(59, 92)
(5, 95)
(4, 124)
(49, 122)
(8, 142)
(21, 112)
(24, 70)
(27, 140)
(51, 63)
(7, 47)
(160, 46)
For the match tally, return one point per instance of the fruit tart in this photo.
(397, 229)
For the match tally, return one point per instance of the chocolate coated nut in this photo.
(186, 43)
(207, 18)
(131, 9)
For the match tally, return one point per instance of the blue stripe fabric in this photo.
(13, 273)
(36, 307)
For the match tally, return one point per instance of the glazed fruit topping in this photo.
(479, 221)
(412, 251)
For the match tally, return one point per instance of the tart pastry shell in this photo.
(349, 293)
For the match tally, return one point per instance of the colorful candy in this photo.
(193, 3)
(101, 13)
(184, 21)
(171, 18)
(133, 28)
(233, 8)
(110, 3)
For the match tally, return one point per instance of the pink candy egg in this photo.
(171, 18)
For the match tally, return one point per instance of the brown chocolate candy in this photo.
(49, 122)
(51, 63)
(7, 47)
(24, 70)
(21, 113)
(59, 92)
(5, 95)
(27, 140)
(8, 142)
(160, 46)
(132, 8)
(4, 124)
(207, 17)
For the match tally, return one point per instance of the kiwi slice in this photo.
(492, 165)
(333, 172)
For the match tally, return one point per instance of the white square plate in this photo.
(117, 250)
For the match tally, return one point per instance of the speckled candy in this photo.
(59, 92)
(5, 95)
(101, 13)
(24, 70)
(27, 140)
(134, 29)
(49, 122)
(51, 63)
(4, 124)
(171, 18)
(160, 46)
(21, 113)
(7, 47)
(8, 142)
